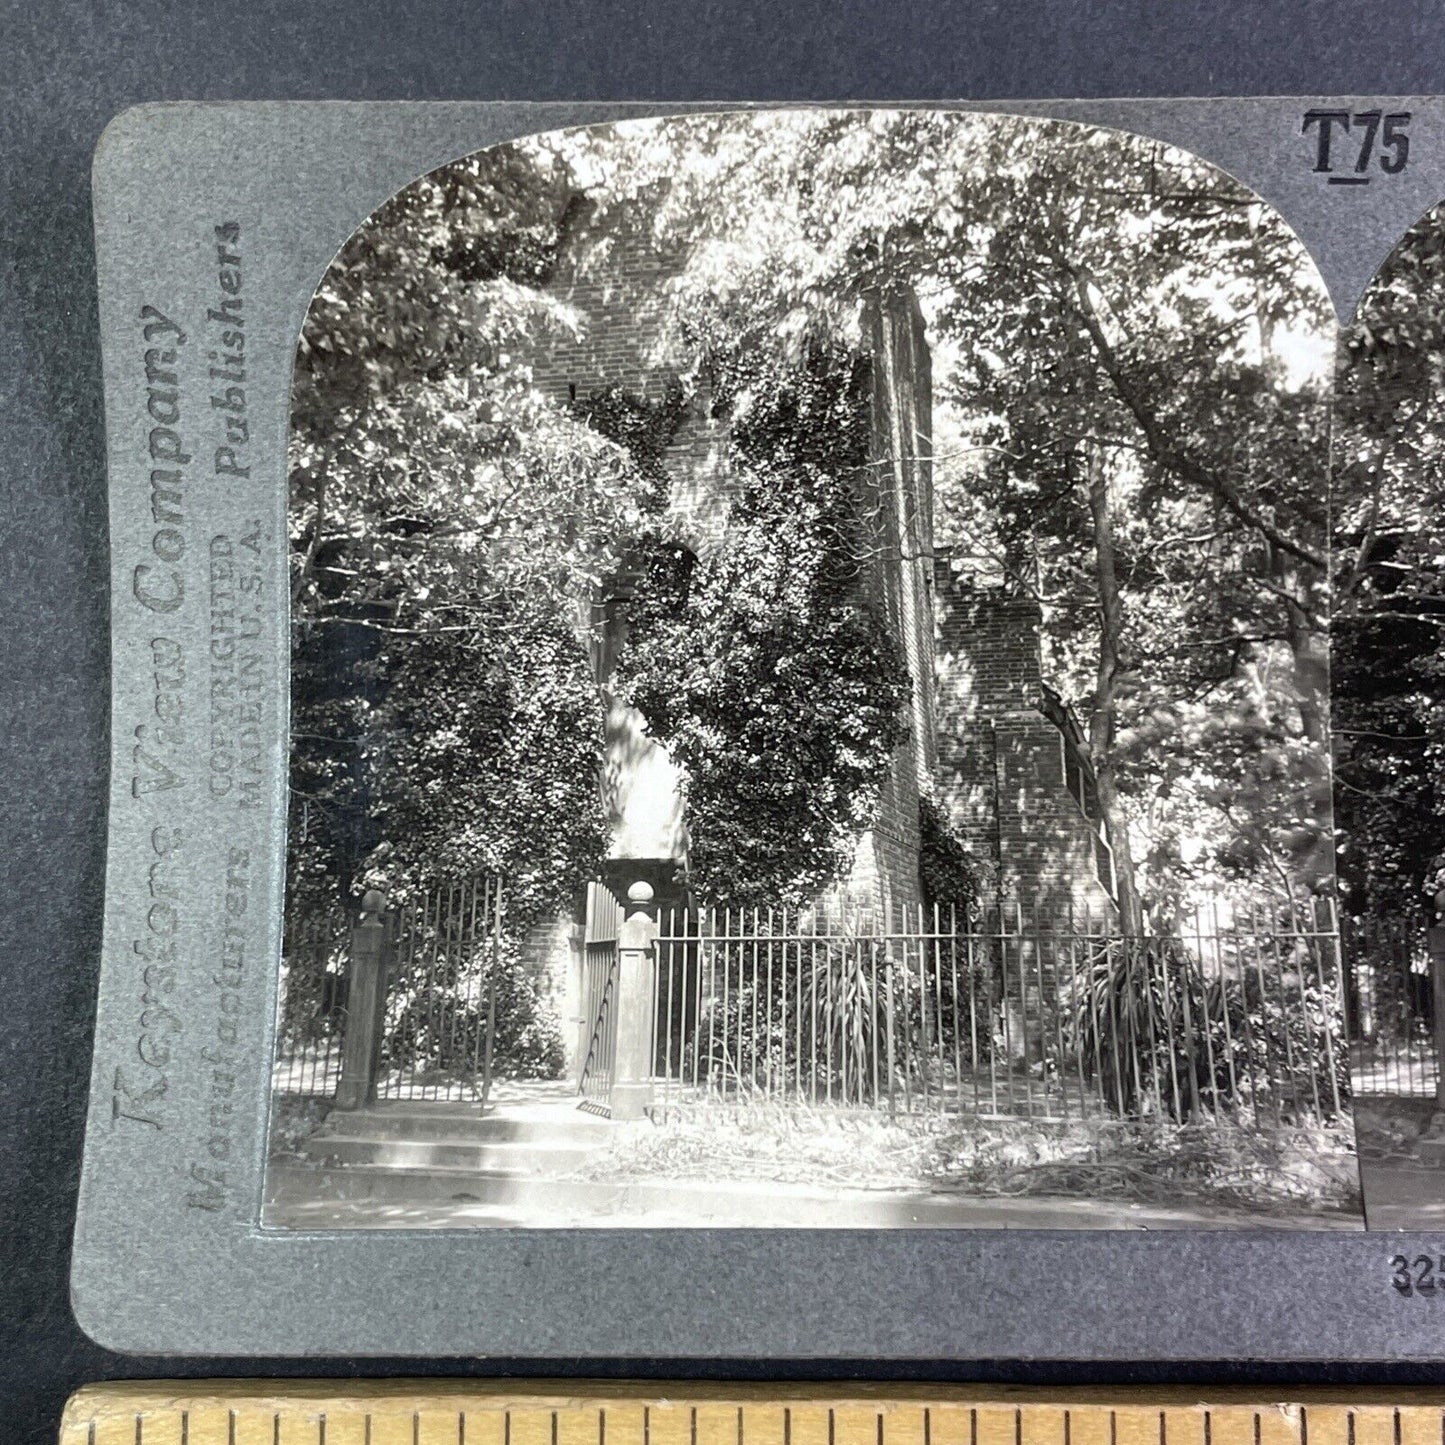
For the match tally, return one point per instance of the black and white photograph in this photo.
(810, 694)
(1389, 724)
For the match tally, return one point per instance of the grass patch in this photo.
(1390, 1127)
(1285, 1170)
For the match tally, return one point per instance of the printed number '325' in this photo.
(1421, 1275)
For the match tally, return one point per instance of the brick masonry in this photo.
(1001, 758)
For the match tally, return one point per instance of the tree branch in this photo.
(1162, 448)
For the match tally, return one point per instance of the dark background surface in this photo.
(65, 70)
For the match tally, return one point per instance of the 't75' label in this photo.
(1347, 143)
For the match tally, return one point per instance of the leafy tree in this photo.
(1120, 333)
(1389, 603)
(1156, 476)
(448, 527)
(1121, 329)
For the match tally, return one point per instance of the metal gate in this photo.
(311, 1018)
(599, 994)
(443, 953)
(439, 1035)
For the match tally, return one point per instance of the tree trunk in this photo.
(1309, 647)
(1103, 722)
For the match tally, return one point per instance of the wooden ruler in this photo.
(346, 1412)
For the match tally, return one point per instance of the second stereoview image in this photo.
(809, 692)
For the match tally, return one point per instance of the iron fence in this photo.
(1389, 1007)
(448, 971)
(1002, 1016)
(311, 1020)
(1235, 1011)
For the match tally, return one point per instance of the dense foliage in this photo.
(764, 665)
(445, 524)
(438, 1032)
(1131, 410)
(1387, 662)
(1159, 1036)
(949, 871)
(645, 428)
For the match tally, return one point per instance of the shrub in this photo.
(842, 1019)
(953, 879)
(1158, 1037)
(438, 1024)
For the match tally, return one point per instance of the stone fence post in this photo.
(636, 987)
(368, 969)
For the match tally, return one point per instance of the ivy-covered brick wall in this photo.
(1001, 760)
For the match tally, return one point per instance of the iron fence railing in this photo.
(444, 955)
(1233, 1012)
(311, 1020)
(1389, 1007)
(1238, 1012)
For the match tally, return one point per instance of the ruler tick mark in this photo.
(310, 1424)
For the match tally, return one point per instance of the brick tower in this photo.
(1013, 769)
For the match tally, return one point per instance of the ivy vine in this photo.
(950, 875)
(645, 428)
(765, 666)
